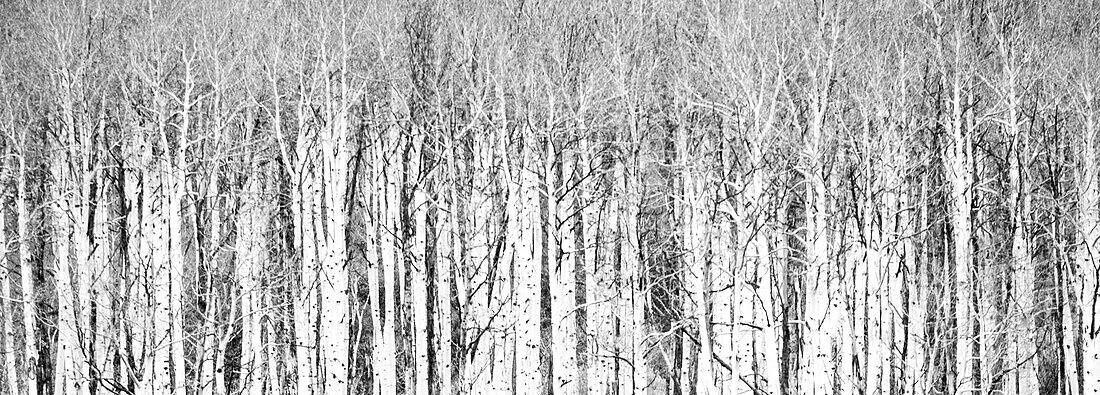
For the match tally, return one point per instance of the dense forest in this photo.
(572, 197)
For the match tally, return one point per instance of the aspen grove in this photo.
(570, 197)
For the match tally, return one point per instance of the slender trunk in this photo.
(156, 229)
(527, 278)
(177, 192)
(66, 374)
(102, 332)
(916, 342)
(696, 251)
(479, 368)
(30, 312)
(596, 311)
(274, 381)
(563, 285)
(375, 204)
(448, 256)
(251, 248)
(331, 235)
(1024, 380)
(503, 371)
(421, 340)
(817, 370)
(208, 352)
(388, 229)
(1088, 265)
(7, 324)
(631, 256)
(959, 175)
(303, 196)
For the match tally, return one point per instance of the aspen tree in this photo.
(726, 267)
(1025, 377)
(155, 228)
(136, 323)
(251, 224)
(66, 373)
(303, 183)
(527, 280)
(562, 284)
(100, 299)
(1089, 230)
(505, 366)
(563, 272)
(419, 278)
(389, 228)
(73, 175)
(757, 83)
(26, 277)
(334, 317)
(7, 324)
(208, 357)
(960, 176)
(449, 256)
(696, 251)
(582, 243)
(916, 342)
(632, 265)
(824, 309)
(480, 368)
(176, 193)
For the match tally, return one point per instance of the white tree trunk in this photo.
(1088, 264)
(251, 256)
(176, 193)
(629, 255)
(817, 370)
(448, 250)
(388, 229)
(1025, 379)
(67, 377)
(7, 324)
(304, 188)
(697, 205)
(563, 284)
(505, 295)
(30, 312)
(208, 353)
(332, 238)
(103, 335)
(156, 230)
(596, 285)
(479, 369)
(419, 290)
(959, 176)
(527, 261)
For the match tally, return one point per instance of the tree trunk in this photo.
(817, 370)
(421, 340)
(251, 256)
(7, 324)
(696, 251)
(388, 229)
(1024, 380)
(527, 261)
(26, 278)
(959, 174)
(332, 237)
(563, 284)
(67, 377)
(1088, 265)
(916, 337)
(304, 206)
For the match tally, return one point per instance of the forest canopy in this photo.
(334, 197)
